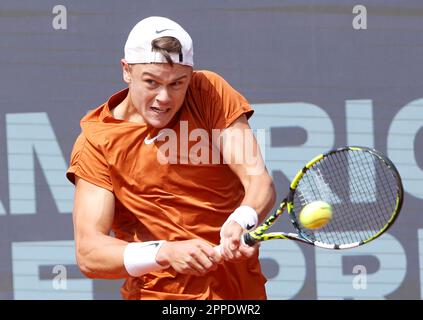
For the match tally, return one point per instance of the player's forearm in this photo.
(101, 257)
(260, 194)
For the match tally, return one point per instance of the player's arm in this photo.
(242, 153)
(100, 255)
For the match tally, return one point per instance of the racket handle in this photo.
(249, 240)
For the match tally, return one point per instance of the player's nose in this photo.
(163, 96)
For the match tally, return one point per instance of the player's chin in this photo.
(159, 122)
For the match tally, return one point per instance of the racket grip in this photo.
(248, 240)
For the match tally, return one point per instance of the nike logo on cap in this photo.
(150, 141)
(163, 30)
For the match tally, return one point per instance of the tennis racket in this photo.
(361, 184)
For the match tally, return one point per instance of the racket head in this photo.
(364, 189)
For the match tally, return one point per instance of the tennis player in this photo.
(166, 170)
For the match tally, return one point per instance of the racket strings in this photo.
(364, 177)
(360, 170)
(315, 188)
(336, 167)
(333, 236)
(390, 190)
(382, 177)
(361, 189)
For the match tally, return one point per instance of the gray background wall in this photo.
(315, 83)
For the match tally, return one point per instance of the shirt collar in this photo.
(112, 102)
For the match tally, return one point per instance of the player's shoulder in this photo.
(206, 79)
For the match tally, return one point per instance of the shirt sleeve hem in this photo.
(246, 109)
(73, 172)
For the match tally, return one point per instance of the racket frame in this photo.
(258, 235)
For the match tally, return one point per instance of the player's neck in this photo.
(126, 111)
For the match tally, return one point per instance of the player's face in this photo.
(157, 90)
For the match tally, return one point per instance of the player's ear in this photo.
(126, 70)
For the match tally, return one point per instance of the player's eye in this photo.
(150, 83)
(176, 84)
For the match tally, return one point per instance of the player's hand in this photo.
(233, 249)
(194, 256)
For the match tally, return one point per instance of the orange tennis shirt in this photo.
(163, 192)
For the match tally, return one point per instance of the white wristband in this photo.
(245, 216)
(140, 257)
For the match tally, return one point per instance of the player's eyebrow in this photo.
(145, 73)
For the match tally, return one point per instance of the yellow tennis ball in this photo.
(316, 214)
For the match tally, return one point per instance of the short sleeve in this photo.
(88, 163)
(223, 104)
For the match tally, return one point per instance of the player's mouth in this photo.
(160, 110)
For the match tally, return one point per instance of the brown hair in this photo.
(167, 45)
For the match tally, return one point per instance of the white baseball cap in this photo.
(138, 47)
